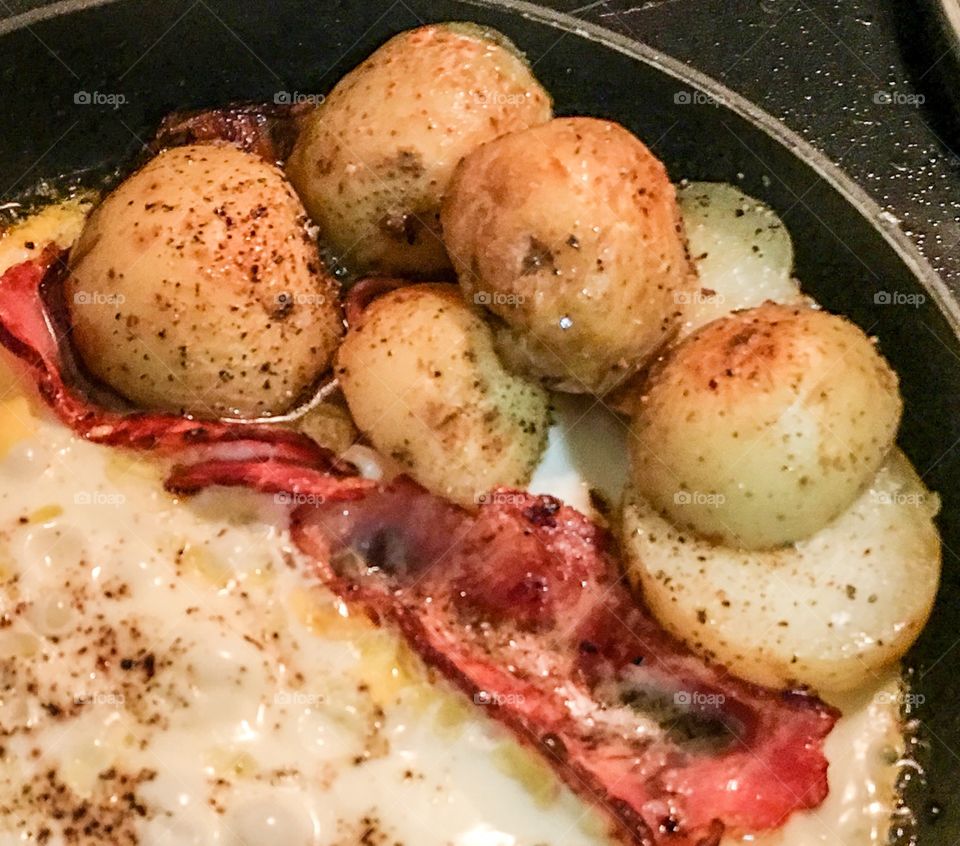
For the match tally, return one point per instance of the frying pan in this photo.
(85, 83)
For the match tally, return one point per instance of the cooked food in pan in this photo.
(420, 467)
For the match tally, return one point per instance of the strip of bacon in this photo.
(268, 130)
(521, 605)
(257, 454)
(524, 608)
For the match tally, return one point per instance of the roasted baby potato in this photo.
(765, 425)
(372, 163)
(196, 286)
(424, 384)
(569, 233)
(830, 611)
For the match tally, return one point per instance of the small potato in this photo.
(743, 255)
(830, 611)
(372, 163)
(425, 386)
(742, 251)
(569, 233)
(197, 287)
(764, 425)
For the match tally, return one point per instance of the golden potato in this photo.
(424, 384)
(196, 286)
(569, 233)
(372, 163)
(830, 611)
(764, 425)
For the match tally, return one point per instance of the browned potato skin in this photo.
(570, 234)
(372, 163)
(764, 425)
(424, 384)
(196, 287)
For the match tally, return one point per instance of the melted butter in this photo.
(16, 422)
(58, 222)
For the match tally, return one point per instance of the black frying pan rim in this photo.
(855, 196)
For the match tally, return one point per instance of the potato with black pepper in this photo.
(830, 611)
(196, 287)
(570, 234)
(424, 384)
(373, 161)
(763, 426)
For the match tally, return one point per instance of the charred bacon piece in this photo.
(268, 130)
(521, 605)
(524, 608)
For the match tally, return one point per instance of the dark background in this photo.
(818, 66)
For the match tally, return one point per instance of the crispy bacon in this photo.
(257, 455)
(521, 605)
(268, 130)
